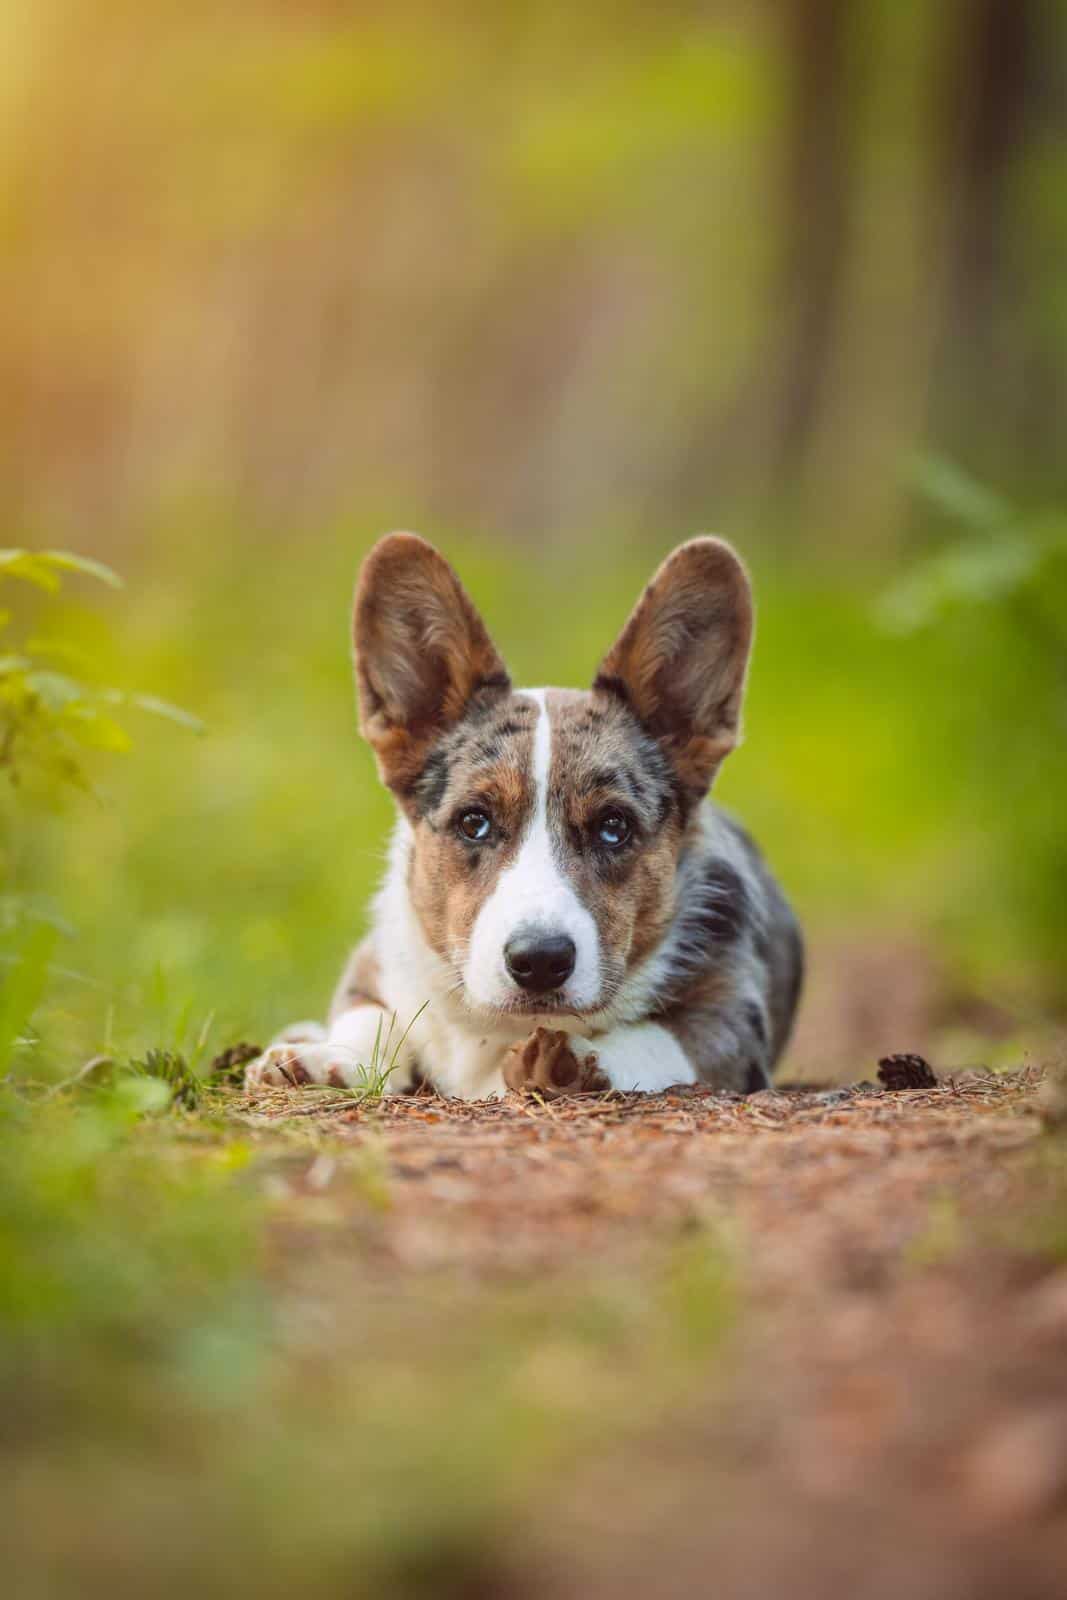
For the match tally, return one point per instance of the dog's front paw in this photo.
(551, 1063)
(297, 1064)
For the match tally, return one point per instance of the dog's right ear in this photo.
(422, 653)
(680, 661)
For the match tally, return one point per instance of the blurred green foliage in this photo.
(48, 717)
(524, 267)
(189, 1404)
(93, 1257)
(49, 721)
(1002, 557)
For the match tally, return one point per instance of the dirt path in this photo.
(894, 1416)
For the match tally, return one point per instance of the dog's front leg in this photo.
(643, 1056)
(362, 1049)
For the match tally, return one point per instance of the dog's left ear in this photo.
(680, 661)
(422, 654)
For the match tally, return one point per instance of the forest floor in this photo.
(875, 1401)
(810, 1343)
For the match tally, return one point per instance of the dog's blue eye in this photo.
(612, 830)
(475, 825)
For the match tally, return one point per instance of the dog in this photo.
(564, 911)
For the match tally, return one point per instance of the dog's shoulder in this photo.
(726, 978)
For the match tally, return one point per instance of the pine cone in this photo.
(230, 1064)
(906, 1072)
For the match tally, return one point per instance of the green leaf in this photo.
(67, 561)
(21, 910)
(14, 664)
(43, 567)
(141, 1096)
(154, 706)
(95, 729)
(59, 650)
(55, 689)
(22, 987)
(29, 567)
(966, 574)
(170, 713)
(955, 492)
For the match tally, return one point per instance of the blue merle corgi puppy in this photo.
(563, 910)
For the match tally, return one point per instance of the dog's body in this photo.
(563, 910)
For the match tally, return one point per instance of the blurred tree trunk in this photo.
(988, 108)
(862, 259)
(990, 81)
(815, 208)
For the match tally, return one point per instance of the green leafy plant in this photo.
(48, 717)
(50, 720)
(172, 1071)
(23, 978)
(1002, 556)
(990, 603)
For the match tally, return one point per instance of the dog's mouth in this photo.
(554, 1003)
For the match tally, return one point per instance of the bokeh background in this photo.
(558, 286)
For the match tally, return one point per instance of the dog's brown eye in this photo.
(612, 830)
(475, 825)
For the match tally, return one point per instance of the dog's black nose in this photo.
(540, 961)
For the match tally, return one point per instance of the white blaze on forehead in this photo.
(534, 892)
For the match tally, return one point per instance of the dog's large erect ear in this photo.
(422, 653)
(680, 661)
